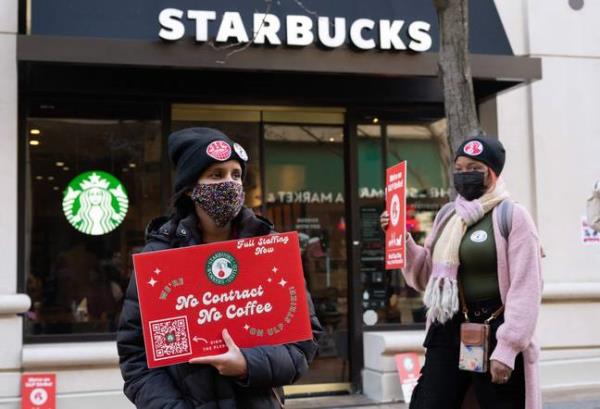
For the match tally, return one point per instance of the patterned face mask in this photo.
(221, 201)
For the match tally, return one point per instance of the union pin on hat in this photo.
(485, 149)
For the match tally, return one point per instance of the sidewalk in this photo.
(573, 399)
(579, 399)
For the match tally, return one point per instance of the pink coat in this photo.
(520, 280)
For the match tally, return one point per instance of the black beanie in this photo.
(484, 149)
(192, 150)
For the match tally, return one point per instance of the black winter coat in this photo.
(186, 386)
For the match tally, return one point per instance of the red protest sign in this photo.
(395, 204)
(252, 287)
(38, 391)
(409, 369)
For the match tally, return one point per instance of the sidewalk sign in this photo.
(409, 370)
(38, 391)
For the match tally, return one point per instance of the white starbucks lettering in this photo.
(299, 31)
(266, 27)
(339, 32)
(232, 27)
(172, 28)
(356, 33)
(420, 38)
(202, 18)
(389, 32)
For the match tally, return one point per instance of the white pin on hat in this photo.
(239, 149)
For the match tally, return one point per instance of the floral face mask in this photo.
(221, 201)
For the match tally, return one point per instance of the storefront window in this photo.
(304, 192)
(386, 298)
(92, 183)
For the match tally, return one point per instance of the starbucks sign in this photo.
(95, 203)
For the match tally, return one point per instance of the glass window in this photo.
(304, 191)
(92, 182)
(386, 298)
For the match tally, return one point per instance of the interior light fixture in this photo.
(132, 165)
(375, 120)
(34, 142)
(66, 168)
(50, 177)
(60, 164)
(34, 131)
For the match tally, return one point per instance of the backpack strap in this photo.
(506, 215)
(505, 209)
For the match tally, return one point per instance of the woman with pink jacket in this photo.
(470, 270)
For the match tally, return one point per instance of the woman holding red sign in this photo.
(480, 273)
(208, 208)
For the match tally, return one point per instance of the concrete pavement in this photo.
(588, 398)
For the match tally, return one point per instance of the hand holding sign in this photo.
(384, 220)
(231, 363)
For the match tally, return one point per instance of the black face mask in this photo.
(470, 185)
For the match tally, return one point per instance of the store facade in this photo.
(323, 98)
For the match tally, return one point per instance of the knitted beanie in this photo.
(484, 149)
(192, 150)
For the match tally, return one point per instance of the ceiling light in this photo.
(39, 177)
(125, 170)
(60, 164)
(50, 177)
(35, 131)
(55, 188)
(34, 142)
(375, 120)
(66, 168)
(331, 139)
(132, 165)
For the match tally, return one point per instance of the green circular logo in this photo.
(95, 202)
(222, 268)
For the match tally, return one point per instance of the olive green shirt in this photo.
(478, 271)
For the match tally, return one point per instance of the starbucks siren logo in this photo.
(95, 203)
(222, 268)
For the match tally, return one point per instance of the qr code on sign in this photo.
(170, 338)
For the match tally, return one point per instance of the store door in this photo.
(304, 170)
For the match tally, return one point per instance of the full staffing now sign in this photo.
(300, 30)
